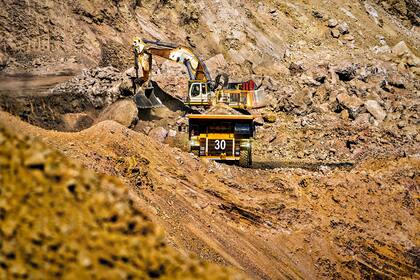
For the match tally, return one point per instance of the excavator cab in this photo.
(222, 137)
(199, 93)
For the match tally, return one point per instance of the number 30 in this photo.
(220, 144)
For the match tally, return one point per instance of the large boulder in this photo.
(171, 68)
(375, 110)
(77, 121)
(126, 85)
(404, 55)
(124, 112)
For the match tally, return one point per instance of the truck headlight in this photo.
(245, 144)
(194, 143)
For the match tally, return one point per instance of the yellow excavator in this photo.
(202, 90)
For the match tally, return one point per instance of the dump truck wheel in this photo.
(245, 159)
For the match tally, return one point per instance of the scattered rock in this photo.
(362, 119)
(335, 33)
(158, 134)
(345, 115)
(401, 49)
(404, 55)
(296, 68)
(269, 117)
(348, 13)
(35, 160)
(309, 81)
(396, 81)
(351, 103)
(172, 133)
(343, 28)
(36, 62)
(332, 23)
(348, 37)
(373, 13)
(317, 14)
(347, 72)
(375, 110)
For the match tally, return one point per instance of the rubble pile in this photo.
(59, 220)
(98, 86)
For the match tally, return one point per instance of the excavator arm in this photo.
(145, 49)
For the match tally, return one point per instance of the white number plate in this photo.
(220, 145)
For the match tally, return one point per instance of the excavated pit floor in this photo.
(271, 223)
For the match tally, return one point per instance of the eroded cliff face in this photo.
(254, 37)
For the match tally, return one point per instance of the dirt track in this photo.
(279, 223)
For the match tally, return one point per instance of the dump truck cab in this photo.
(222, 137)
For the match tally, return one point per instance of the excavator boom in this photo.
(197, 70)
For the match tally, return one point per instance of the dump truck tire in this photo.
(245, 158)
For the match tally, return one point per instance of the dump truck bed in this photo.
(221, 117)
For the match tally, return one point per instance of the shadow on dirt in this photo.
(312, 166)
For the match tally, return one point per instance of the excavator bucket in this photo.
(147, 99)
(150, 94)
(142, 101)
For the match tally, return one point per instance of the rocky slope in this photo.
(53, 36)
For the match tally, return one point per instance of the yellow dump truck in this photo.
(222, 137)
